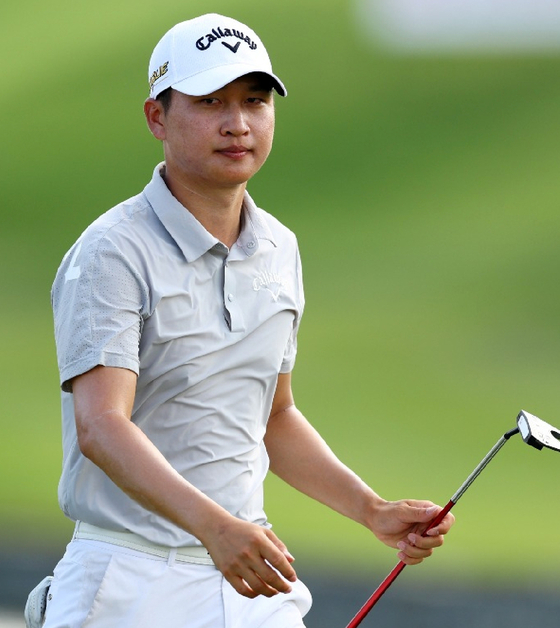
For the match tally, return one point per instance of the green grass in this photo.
(425, 197)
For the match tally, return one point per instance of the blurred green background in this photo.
(425, 195)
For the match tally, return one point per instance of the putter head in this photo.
(537, 433)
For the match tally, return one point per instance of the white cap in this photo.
(202, 55)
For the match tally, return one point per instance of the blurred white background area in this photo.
(475, 26)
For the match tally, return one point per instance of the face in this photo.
(218, 140)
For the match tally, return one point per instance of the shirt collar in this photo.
(191, 237)
(253, 228)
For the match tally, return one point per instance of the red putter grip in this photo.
(357, 620)
(440, 517)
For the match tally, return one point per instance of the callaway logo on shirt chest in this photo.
(217, 33)
(272, 282)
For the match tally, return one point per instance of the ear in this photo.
(155, 117)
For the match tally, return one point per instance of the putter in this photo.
(534, 432)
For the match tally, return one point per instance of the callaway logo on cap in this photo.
(202, 55)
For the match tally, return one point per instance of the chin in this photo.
(239, 176)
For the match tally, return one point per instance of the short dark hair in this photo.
(164, 98)
(266, 82)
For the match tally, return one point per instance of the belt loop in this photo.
(171, 557)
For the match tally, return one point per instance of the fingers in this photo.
(411, 531)
(277, 560)
(410, 555)
(443, 527)
(258, 579)
(430, 514)
(416, 547)
(258, 564)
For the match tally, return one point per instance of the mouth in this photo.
(235, 152)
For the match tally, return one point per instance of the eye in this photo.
(257, 100)
(209, 101)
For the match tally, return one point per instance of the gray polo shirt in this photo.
(206, 328)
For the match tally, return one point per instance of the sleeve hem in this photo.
(86, 364)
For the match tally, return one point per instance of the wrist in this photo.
(211, 522)
(372, 508)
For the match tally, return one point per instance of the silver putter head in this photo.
(537, 433)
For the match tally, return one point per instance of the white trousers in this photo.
(101, 585)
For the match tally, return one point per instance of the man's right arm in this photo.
(103, 401)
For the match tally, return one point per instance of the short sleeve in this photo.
(290, 353)
(98, 300)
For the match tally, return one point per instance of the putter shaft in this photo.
(482, 465)
(392, 576)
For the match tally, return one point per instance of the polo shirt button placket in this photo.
(232, 313)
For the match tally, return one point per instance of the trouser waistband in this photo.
(191, 554)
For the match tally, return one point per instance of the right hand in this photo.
(251, 558)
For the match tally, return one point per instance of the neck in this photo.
(217, 210)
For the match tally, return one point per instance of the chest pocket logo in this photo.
(272, 282)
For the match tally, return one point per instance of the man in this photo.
(176, 319)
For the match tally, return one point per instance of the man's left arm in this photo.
(301, 457)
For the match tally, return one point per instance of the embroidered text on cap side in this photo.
(157, 74)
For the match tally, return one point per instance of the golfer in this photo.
(176, 319)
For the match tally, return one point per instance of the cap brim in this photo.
(214, 79)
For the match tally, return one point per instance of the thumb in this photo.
(280, 545)
(431, 512)
(419, 514)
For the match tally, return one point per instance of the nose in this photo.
(235, 122)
